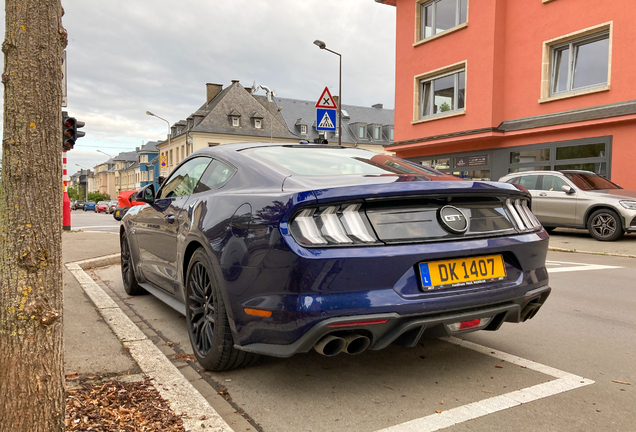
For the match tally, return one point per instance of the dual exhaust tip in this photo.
(332, 345)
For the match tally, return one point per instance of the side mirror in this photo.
(568, 189)
(146, 194)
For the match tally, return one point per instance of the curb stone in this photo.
(180, 394)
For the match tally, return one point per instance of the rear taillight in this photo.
(523, 217)
(341, 225)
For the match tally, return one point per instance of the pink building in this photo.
(488, 87)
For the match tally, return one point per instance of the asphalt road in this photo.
(91, 221)
(586, 328)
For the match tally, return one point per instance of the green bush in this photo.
(96, 196)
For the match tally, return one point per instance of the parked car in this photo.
(112, 206)
(125, 200)
(78, 205)
(579, 199)
(90, 205)
(101, 207)
(278, 248)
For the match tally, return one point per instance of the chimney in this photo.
(213, 90)
(336, 99)
(377, 106)
(248, 89)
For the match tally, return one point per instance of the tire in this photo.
(131, 286)
(207, 320)
(605, 225)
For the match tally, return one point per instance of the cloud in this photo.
(126, 57)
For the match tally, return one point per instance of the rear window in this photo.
(326, 161)
(590, 182)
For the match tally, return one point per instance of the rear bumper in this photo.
(392, 328)
(309, 290)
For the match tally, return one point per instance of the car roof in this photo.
(235, 147)
(525, 173)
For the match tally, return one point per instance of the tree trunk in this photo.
(31, 363)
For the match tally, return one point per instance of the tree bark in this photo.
(31, 363)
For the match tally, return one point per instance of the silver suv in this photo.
(579, 199)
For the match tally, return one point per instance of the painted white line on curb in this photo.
(167, 379)
(564, 382)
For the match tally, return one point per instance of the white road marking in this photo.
(167, 379)
(575, 266)
(564, 382)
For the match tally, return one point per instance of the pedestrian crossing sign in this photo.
(325, 119)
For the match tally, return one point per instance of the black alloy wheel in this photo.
(207, 320)
(605, 225)
(131, 286)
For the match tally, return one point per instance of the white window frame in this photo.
(236, 122)
(572, 46)
(362, 131)
(433, 3)
(431, 101)
(258, 123)
(303, 129)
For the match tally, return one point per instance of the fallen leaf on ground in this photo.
(621, 382)
(72, 376)
(120, 406)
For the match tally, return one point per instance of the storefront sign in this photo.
(471, 161)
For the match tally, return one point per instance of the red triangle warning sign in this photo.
(326, 100)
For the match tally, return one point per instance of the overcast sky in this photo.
(129, 56)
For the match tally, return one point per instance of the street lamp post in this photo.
(108, 186)
(105, 154)
(320, 44)
(168, 123)
(86, 177)
(271, 127)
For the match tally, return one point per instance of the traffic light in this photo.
(69, 131)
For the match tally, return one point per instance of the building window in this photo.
(377, 132)
(442, 94)
(257, 123)
(580, 64)
(440, 15)
(361, 131)
(303, 129)
(235, 121)
(391, 134)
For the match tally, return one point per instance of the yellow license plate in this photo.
(117, 212)
(462, 272)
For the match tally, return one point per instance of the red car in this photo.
(101, 207)
(125, 200)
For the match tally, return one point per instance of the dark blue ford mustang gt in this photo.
(278, 248)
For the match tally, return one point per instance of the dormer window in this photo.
(257, 120)
(235, 117)
(361, 131)
(303, 129)
(377, 132)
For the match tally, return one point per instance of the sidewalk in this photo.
(576, 240)
(110, 362)
(90, 347)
